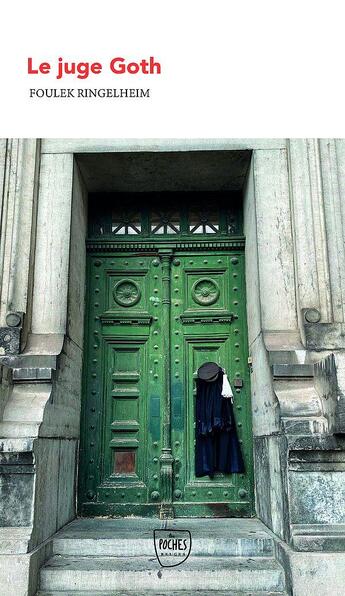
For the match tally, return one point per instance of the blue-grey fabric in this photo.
(217, 447)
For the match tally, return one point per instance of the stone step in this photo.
(130, 538)
(160, 593)
(142, 573)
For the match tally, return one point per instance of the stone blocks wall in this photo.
(317, 487)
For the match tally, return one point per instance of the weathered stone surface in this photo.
(77, 261)
(298, 398)
(159, 171)
(332, 154)
(19, 572)
(279, 487)
(289, 357)
(272, 495)
(32, 374)
(5, 388)
(3, 148)
(62, 413)
(18, 171)
(16, 488)
(9, 340)
(309, 230)
(340, 407)
(236, 554)
(54, 503)
(133, 537)
(292, 370)
(317, 443)
(46, 489)
(265, 418)
(49, 309)
(54, 407)
(160, 593)
(14, 574)
(318, 497)
(318, 573)
(14, 541)
(115, 145)
(318, 537)
(261, 466)
(283, 340)
(251, 261)
(111, 573)
(265, 405)
(19, 420)
(274, 239)
(325, 336)
(305, 426)
(37, 488)
(66, 497)
(317, 487)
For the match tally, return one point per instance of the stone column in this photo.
(309, 230)
(49, 310)
(19, 165)
(332, 153)
(274, 242)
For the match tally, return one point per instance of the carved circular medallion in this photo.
(126, 292)
(205, 291)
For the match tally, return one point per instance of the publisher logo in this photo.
(172, 546)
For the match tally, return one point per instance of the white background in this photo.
(229, 69)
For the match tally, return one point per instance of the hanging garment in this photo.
(217, 448)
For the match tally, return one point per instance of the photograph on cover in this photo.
(172, 361)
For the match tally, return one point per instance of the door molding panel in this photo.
(197, 318)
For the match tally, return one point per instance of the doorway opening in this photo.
(165, 293)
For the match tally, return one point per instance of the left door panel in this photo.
(121, 417)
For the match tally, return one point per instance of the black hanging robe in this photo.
(217, 448)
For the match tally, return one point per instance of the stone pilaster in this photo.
(309, 230)
(18, 173)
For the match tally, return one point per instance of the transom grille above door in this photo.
(165, 214)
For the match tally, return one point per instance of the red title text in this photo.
(82, 70)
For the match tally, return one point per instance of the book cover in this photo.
(172, 299)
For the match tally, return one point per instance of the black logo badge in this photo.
(172, 546)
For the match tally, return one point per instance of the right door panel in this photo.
(209, 324)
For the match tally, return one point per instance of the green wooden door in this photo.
(152, 320)
(165, 293)
(208, 324)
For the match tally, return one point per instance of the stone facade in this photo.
(294, 222)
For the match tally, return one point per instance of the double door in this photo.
(152, 320)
